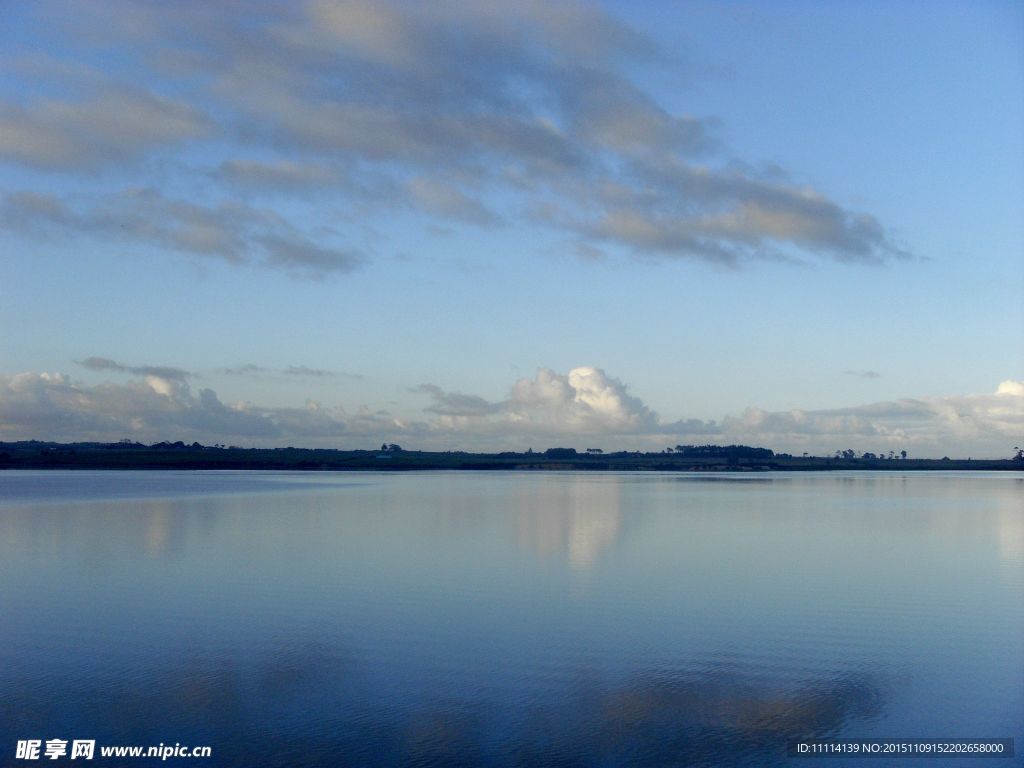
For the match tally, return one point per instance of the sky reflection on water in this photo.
(509, 619)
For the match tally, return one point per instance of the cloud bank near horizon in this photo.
(583, 408)
(485, 114)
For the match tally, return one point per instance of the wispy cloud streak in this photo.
(472, 114)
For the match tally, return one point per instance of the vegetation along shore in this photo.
(34, 454)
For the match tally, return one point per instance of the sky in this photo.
(495, 226)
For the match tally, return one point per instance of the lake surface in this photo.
(509, 618)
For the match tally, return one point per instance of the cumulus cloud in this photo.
(53, 404)
(584, 404)
(584, 401)
(478, 113)
(55, 407)
(1010, 387)
(985, 424)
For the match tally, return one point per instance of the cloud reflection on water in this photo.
(577, 520)
(432, 620)
(304, 703)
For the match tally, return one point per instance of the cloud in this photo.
(282, 175)
(473, 113)
(1011, 388)
(680, 209)
(111, 126)
(159, 371)
(229, 231)
(455, 404)
(956, 425)
(585, 401)
(583, 405)
(255, 371)
(53, 406)
(868, 374)
(245, 369)
(41, 403)
(448, 202)
(303, 370)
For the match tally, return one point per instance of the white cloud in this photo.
(585, 401)
(153, 408)
(1012, 388)
(583, 405)
(979, 425)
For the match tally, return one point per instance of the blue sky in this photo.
(479, 226)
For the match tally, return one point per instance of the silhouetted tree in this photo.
(722, 451)
(560, 453)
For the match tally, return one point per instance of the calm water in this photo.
(509, 619)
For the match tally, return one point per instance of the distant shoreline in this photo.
(178, 456)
